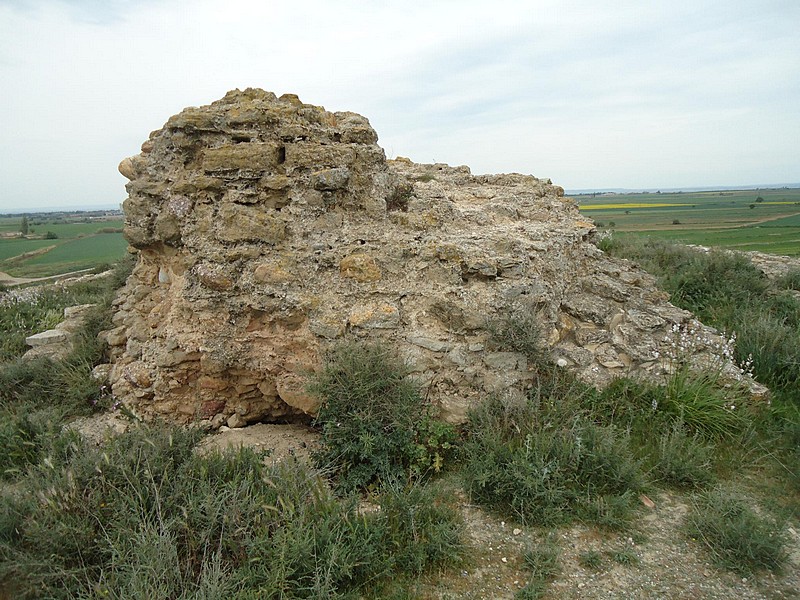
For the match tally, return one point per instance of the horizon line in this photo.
(567, 191)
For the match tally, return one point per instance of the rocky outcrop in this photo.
(269, 229)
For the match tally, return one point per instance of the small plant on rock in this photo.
(520, 333)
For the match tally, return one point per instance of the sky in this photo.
(592, 94)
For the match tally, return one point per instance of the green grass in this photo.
(780, 241)
(682, 459)
(15, 247)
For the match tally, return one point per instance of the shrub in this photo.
(790, 281)
(376, 426)
(547, 464)
(738, 538)
(775, 349)
(146, 517)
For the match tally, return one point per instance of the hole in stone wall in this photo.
(281, 155)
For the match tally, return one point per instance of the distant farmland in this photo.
(765, 220)
(73, 244)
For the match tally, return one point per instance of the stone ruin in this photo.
(268, 230)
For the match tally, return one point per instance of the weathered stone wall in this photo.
(268, 229)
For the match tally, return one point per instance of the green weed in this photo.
(543, 562)
(738, 537)
(625, 556)
(683, 460)
(590, 559)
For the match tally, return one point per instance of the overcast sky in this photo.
(590, 93)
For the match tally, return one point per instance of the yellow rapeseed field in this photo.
(627, 205)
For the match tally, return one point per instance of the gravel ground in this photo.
(659, 562)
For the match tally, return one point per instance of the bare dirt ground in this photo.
(656, 561)
(281, 441)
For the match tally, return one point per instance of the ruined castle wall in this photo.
(268, 229)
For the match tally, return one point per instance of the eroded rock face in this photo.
(268, 229)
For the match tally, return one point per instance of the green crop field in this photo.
(765, 220)
(81, 253)
(15, 247)
(76, 244)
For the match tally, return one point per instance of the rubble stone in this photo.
(268, 229)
